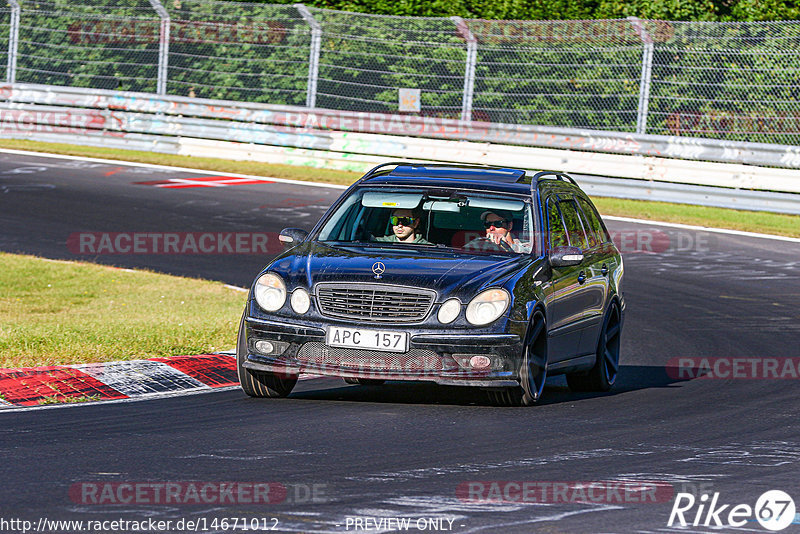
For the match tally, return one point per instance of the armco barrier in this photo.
(355, 140)
(689, 148)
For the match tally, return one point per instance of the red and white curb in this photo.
(134, 379)
(33, 386)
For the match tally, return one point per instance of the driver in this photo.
(498, 230)
(404, 227)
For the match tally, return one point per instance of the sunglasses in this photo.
(500, 223)
(405, 221)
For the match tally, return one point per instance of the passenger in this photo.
(498, 231)
(404, 227)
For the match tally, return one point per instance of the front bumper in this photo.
(442, 358)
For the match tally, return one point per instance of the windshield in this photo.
(471, 222)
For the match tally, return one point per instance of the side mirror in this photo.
(565, 256)
(291, 237)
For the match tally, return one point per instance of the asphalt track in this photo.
(404, 450)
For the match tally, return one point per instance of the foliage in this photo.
(719, 10)
(728, 80)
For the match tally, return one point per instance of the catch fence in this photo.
(731, 81)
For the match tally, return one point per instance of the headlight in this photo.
(449, 311)
(300, 300)
(487, 306)
(270, 292)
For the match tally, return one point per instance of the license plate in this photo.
(362, 338)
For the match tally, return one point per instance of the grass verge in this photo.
(56, 313)
(751, 221)
(69, 400)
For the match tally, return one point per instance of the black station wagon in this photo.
(473, 276)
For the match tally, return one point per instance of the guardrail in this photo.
(303, 119)
(341, 139)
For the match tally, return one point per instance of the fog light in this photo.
(480, 362)
(264, 347)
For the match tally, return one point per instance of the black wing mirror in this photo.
(291, 237)
(565, 256)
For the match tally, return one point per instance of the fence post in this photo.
(163, 47)
(469, 70)
(647, 69)
(13, 42)
(313, 56)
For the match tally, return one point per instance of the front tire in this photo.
(259, 383)
(602, 376)
(533, 372)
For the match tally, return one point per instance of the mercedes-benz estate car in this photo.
(489, 278)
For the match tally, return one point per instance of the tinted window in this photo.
(593, 220)
(558, 235)
(572, 220)
(591, 234)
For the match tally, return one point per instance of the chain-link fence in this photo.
(113, 45)
(238, 51)
(738, 81)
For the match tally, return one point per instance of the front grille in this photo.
(316, 354)
(375, 302)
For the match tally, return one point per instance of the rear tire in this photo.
(602, 376)
(533, 372)
(260, 383)
(365, 381)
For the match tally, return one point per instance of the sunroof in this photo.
(470, 173)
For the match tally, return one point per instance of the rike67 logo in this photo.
(774, 510)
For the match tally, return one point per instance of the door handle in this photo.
(582, 277)
(604, 269)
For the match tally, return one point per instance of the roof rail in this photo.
(373, 171)
(549, 175)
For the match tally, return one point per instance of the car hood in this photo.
(448, 273)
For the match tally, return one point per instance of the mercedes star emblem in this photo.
(378, 268)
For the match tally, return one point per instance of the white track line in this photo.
(170, 168)
(235, 288)
(703, 228)
(334, 186)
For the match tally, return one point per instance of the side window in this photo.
(591, 234)
(592, 217)
(558, 234)
(572, 220)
